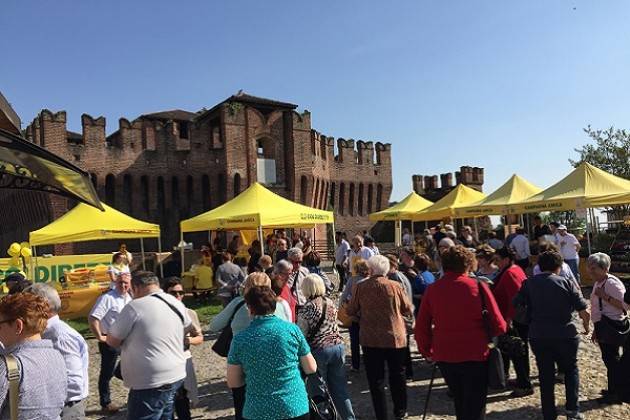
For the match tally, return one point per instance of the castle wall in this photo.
(155, 170)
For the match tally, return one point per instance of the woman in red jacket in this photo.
(450, 330)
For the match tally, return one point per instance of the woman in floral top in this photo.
(318, 321)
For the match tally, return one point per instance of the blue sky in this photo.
(505, 85)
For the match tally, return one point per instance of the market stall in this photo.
(585, 188)
(514, 190)
(256, 208)
(86, 223)
(446, 207)
(404, 210)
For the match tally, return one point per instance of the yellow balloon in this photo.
(14, 249)
(26, 252)
(25, 245)
(14, 262)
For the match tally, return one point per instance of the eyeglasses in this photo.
(177, 293)
(7, 320)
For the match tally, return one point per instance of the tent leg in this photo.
(334, 242)
(476, 228)
(32, 268)
(398, 233)
(160, 260)
(413, 233)
(144, 264)
(181, 251)
(260, 239)
(588, 236)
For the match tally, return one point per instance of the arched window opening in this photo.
(360, 206)
(379, 197)
(175, 193)
(342, 199)
(161, 197)
(144, 193)
(128, 193)
(222, 184)
(333, 188)
(190, 191)
(110, 190)
(316, 192)
(237, 184)
(205, 192)
(351, 200)
(303, 189)
(370, 197)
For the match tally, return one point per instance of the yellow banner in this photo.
(77, 302)
(52, 268)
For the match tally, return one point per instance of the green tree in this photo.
(610, 151)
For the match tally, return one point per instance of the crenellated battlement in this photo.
(427, 185)
(350, 151)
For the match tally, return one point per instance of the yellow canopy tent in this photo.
(459, 197)
(87, 223)
(585, 187)
(256, 208)
(404, 210)
(514, 190)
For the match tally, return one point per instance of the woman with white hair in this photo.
(381, 306)
(608, 312)
(318, 322)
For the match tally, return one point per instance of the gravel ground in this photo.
(216, 401)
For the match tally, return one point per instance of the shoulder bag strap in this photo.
(484, 311)
(173, 308)
(318, 326)
(13, 375)
(238, 306)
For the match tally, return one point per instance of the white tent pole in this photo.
(34, 256)
(144, 264)
(588, 236)
(260, 239)
(476, 228)
(181, 251)
(159, 258)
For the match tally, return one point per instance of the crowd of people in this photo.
(463, 301)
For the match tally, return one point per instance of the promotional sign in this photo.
(52, 268)
(77, 302)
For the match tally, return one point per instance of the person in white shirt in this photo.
(357, 250)
(101, 318)
(520, 245)
(72, 347)
(150, 332)
(569, 248)
(341, 254)
(407, 240)
(371, 244)
(565, 270)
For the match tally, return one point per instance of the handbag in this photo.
(496, 373)
(611, 331)
(321, 405)
(342, 316)
(13, 375)
(222, 345)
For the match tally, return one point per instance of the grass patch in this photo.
(205, 309)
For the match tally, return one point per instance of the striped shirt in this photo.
(43, 381)
(74, 350)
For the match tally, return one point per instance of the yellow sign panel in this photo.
(51, 269)
(77, 303)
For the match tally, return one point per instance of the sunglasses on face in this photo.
(177, 293)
